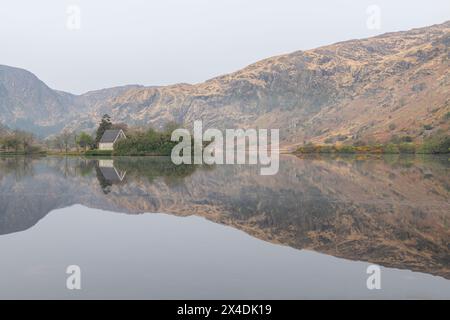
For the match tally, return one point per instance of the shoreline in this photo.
(292, 153)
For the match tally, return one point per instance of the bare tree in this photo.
(66, 139)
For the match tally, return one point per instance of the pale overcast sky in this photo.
(158, 42)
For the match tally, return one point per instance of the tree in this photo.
(66, 139)
(58, 143)
(16, 140)
(26, 139)
(120, 126)
(75, 140)
(84, 140)
(105, 124)
(11, 142)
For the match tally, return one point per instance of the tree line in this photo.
(140, 140)
(18, 141)
(67, 140)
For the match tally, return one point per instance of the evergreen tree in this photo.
(105, 124)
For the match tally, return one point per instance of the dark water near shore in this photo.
(144, 228)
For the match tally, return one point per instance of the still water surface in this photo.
(144, 228)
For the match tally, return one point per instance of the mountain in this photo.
(4, 130)
(28, 103)
(368, 89)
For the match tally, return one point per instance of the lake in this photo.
(144, 228)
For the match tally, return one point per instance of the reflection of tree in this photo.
(111, 172)
(72, 167)
(20, 167)
(108, 174)
(85, 167)
(104, 184)
(155, 167)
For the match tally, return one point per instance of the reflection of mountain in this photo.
(391, 211)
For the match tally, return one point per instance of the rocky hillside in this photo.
(369, 89)
(26, 102)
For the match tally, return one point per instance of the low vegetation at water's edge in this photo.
(148, 142)
(437, 144)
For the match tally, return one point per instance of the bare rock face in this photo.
(369, 89)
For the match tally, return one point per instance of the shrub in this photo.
(346, 149)
(377, 148)
(406, 139)
(428, 127)
(391, 148)
(439, 143)
(34, 150)
(406, 147)
(359, 143)
(307, 148)
(447, 116)
(98, 153)
(150, 142)
(326, 149)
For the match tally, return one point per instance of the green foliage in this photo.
(99, 153)
(327, 149)
(428, 127)
(84, 140)
(150, 142)
(19, 142)
(154, 167)
(447, 116)
(391, 148)
(105, 124)
(346, 149)
(406, 147)
(307, 148)
(406, 139)
(439, 143)
(396, 139)
(10, 143)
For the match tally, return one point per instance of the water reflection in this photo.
(393, 211)
(108, 174)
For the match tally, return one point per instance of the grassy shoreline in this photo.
(299, 152)
(404, 148)
(436, 145)
(90, 153)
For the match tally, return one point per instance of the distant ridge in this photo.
(366, 89)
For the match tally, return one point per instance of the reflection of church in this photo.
(109, 172)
